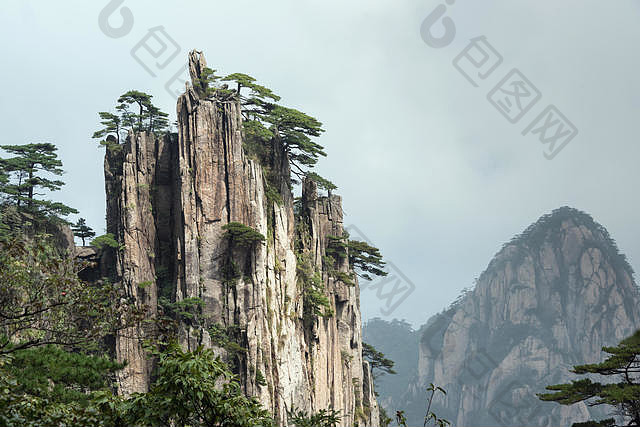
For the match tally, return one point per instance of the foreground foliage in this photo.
(54, 371)
(192, 389)
(43, 302)
(623, 395)
(430, 417)
(324, 418)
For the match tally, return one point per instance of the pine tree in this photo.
(23, 179)
(82, 230)
(321, 182)
(112, 126)
(268, 124)
(148, 118)
(624, 395)
(158, 120)
(258, 94)
(141, 100)
(366, 259)
(294, 130)
(207, 85)
(377, 360)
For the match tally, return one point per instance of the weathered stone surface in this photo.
(61, 234)
(550, 299)
(133, 176)
(167, 203)
(341, 378)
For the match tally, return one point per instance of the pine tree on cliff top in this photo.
(148, 118)
(266, 122)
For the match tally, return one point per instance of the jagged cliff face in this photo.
(167, 202)
(550, 299)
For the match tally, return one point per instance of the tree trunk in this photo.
(30, 203)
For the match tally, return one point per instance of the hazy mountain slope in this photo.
(399, 342)
(551, 298)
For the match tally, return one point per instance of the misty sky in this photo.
(428, 169)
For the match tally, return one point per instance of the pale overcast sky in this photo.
(428, 169)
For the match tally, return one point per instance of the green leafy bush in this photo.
(323, 418)
(315, 301)
(105, 241)
(241, 235)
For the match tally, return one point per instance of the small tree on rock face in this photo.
(294, 129)
(377, 360)
(82, 230)
(366, 259)
(258, 94)
(241, 235)
(23, 178)
(624, 395)
(112, 127)
(321, 182)
(208, 85)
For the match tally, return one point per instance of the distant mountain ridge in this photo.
(549, 299)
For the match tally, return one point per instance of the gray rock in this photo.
(167, 201)
(550, 299)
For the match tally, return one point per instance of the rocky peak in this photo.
(169, 200)
(551, 298)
